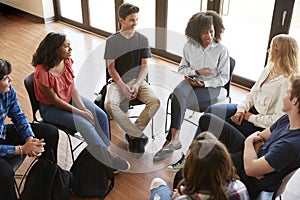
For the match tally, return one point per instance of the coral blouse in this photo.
(62, 84)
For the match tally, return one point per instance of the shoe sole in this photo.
(172, 169)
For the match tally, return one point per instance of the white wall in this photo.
(39, 8)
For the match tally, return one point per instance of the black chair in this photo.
(202, 108)
(29, 85)
(16, 162)
(125, 106)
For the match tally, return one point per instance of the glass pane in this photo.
(179, 13)
(74, 13)
(295, 25)
(146, 23)
(102, 15)
(246, 34)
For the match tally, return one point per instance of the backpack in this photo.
(46, 180)
(91, 178)
(100, 98)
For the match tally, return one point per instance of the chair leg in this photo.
(71, 147)
(167, 113)
(23, 176)
(18, 188)
(152, 125)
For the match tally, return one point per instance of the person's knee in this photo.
(160, 190)
(6, 173)
(204, 121)
(111, 107)
(153, 104)
(208, 109)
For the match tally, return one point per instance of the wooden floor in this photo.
(19, 38)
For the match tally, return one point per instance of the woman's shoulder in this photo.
(219, 45)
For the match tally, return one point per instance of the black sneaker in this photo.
(178, 165)
(136, 145)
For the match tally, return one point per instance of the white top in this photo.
(267, 99)
(215, 56)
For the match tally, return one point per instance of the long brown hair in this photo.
(284, 55)
(208, 167)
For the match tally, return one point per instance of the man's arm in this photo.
(117, 79)
(254, 166)
(142, 75)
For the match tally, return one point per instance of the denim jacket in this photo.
(10, 107)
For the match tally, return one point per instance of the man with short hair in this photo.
(126, 54)
(264, 158)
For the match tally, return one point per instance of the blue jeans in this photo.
(225, 111)
(97, 135)
(163, 191)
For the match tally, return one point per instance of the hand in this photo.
(33, 147)
(87, 114)
(256, 140)
(205, 71)
(127, 92)
(237, 118)
(194, 82)
(175, 194)
(247, 115)
(134, 91)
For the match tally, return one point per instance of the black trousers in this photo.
(234, 141)
(50, 135)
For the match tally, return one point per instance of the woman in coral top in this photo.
(60, 102)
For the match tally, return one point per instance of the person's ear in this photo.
(121, 20)
(295, 101)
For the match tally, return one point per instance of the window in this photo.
(295, 26)
(246, 35)
(75, 13)
(146, 22)
(179, 13)
(102, 16)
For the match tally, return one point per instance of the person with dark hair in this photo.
(61, 104)
(207, 174)
(19, 138)
(126, 54)
(262, 106)
(205, 65)
(264, 158)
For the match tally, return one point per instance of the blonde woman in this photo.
(263, 105)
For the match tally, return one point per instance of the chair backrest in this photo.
(283, 184)
(29, 85)
(227, 85)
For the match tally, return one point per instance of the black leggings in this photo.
(48, 132)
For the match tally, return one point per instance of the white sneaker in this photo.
(178, 165)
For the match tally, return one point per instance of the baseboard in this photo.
(7, 10)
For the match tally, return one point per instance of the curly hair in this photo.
(201, 22)
(5, 68)
(284, 55)
(126, 9)
(208, 167)
(48, 51)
